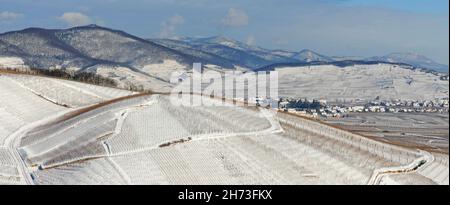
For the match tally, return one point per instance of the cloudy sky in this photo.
(331, 27)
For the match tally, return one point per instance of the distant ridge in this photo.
(345, 63)
(256, 58)
(142, 64)
(412, 59)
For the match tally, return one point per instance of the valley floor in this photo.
(428, 131)
(67, 137)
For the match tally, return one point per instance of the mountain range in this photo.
(254, 57)
(119, 55)
(84, 47)
(412, 59)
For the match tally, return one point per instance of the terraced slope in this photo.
(148, 140)
(26, 101)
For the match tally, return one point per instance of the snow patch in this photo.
(163, 70)
(12, 63)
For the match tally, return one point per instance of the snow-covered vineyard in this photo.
(360, 82)
(46, 139)
(26, 101)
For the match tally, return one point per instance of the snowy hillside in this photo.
(126, 58)
(255, 57)
(138, 64)
(238, 53)
(412, 59)
(310, 56)
(334, 83)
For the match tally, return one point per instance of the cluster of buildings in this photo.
(320, 108)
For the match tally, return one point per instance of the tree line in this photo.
(90, 78)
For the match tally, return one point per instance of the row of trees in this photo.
(91, 78)
(303, 104)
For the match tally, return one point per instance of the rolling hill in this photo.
(127, 59)
(139, 64)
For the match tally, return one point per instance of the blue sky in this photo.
(331, 27)
(431, 6)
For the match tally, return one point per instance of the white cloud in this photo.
(8, 15)
(235, 18)
(75, 19)
(168, 27)
(251, 40)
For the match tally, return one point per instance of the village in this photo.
(321, 109)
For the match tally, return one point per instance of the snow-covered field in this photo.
(25, 100)
(429, 131)
(20, 106)
(163, 70)
(360, 82)
(127, 79)
(12, 63)
(148, 140)
(67, 93)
